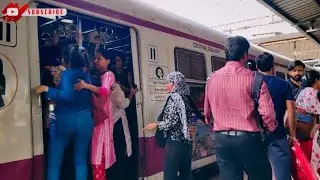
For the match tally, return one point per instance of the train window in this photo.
(217, 63)
(281, 75)
(191, 64)
(197, 92)
(153, 53)
(8, 33)
(8, 82)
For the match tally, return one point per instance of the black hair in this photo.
(294, 64)
(50, 55)
(66, 56)
(78, 57)
(310, 78)
(251, 64)
(236, 47)
(265, 62)
(105, 53)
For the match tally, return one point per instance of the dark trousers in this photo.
(177, 159)
(280, 157)
(118, 170)
(238, 153)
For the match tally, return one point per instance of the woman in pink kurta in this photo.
(102, 152)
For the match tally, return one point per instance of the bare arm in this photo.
(107, 82)
(92, 88)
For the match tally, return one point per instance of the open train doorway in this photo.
(55, 34)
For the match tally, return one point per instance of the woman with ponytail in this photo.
(74, 122)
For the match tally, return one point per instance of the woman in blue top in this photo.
(73, 116)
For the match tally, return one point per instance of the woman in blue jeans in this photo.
(73, 116)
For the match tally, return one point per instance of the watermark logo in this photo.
(13, 12)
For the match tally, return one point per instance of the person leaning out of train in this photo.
(73, 116)
(102, 146)
(296, 71)
(308, 110)
(278, 147)
(175, 121)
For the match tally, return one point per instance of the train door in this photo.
(16, 150)
(55, 34)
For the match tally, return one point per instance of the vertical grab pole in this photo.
(80, 32)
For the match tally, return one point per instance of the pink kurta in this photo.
(102, 139)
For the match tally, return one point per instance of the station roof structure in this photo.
(303, 14)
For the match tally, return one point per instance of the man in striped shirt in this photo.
(239, 146)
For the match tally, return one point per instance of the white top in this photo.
(119, 103)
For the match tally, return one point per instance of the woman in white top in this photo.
(121, 132)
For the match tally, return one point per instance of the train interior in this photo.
(61, 32)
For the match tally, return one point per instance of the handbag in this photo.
(160, 139)
(305, 124)
(301, 167)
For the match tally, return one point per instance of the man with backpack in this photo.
(283, 100)
(228, 98)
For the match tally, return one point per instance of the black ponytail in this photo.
(78, 57)
(308, 80)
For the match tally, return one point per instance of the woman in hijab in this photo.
(175, 123)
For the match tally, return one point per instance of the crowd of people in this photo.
(288, 110)
(288, 113)
(90, 111)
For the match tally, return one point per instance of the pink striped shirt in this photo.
(102, 138)
(228, 99)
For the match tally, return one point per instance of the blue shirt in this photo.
(67, 99)
(280, 91)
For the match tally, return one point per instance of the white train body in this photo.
(158, 40)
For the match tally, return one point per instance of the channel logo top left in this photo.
(12, 12)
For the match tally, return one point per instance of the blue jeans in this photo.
(78, 127)
(280, 157)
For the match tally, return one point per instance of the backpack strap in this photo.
(256, 87)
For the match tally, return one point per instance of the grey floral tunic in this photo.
(177, 114)
(171, 122)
